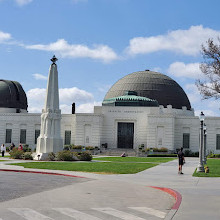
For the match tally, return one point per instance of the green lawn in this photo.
(95, 167)
(136, 159)
(214, 169)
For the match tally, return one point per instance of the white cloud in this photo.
(23, 2)
(70, 95)
(157, 69)
(87, 107)
(36, 98)
(190, 70)
(38, 76)
(61, 46)
(186, 42)
(193, 94)
(66, 109)
(4, 37)
(206, 112)
(209, 107)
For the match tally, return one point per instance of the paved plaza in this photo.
(129, 197)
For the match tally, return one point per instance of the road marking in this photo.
(118, 214)
(29, 214)
(76, 214)
(150, 211)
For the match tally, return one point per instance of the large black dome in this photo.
(12, 95)
(152, 85)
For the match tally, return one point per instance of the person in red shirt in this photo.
(20, 147)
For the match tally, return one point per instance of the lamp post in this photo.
(204, 146)
(200, 167)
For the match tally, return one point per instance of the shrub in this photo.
(90, 148)
(16, 154)
(67, 147)
(51, 156)
(163, 155)
(7, 149)
(162, 149)
(85, 156)
(214, 156)
(27, 156)
(79, 147)
(65, 156)
(26, 148)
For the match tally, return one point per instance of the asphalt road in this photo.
(15, 185)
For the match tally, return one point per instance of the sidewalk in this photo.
(200, 196)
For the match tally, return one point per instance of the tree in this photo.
(209, 87)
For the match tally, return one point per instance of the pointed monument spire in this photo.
(50, 139)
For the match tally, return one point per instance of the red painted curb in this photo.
(173, 193)
(39, 172)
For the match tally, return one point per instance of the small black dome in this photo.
(152, 85)
(12, 95)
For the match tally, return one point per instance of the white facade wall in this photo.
(153, 127)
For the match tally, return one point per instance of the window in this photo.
(67, 137)
(23, 136)
(186, 137)
(217, 141)
(8, 135)
(37, 134)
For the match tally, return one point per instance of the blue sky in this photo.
(98, 42)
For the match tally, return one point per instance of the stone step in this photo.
(118, 152)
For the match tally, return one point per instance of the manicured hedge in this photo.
(163, 155)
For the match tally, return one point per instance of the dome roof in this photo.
(152, 85)
(130, 99)
(12, 95)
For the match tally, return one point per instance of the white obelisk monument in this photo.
(50, 139)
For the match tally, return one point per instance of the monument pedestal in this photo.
(47, 145)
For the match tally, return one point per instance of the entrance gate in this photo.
(125, 135)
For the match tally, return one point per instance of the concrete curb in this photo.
(41, 172)
(177, 197)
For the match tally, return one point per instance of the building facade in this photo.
(144, 107)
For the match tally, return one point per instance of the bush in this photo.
(67, 147)
(163, 155)
(214, 156)
(16, 154)
(79, 147)
(7, 149)
(51, 156)
(162, 149)
(90, 148)
(85, 156)
(65, 156)
(26, 148)
(27, 156)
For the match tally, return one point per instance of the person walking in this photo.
(181, 160)
(3, 149)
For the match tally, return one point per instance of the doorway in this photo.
(125, 135)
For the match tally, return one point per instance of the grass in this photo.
(214, 169)
(95, 167)
(135, 159)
